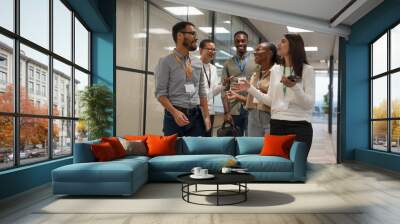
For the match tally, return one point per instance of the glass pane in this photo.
(379, 98)
(81, 81)
(81, 45)
(395, 136)
(35, 21)
(131, 37)
(6, 142)
(160, 43)
(33, 139)
(62, 29)
(81, 131)
(6, 74)
(34, 81)
(223, 40)
(154, 112)
(62, 138)
(7, 14)
(395, 95)
(379, 135)
(395, 47)
(130, 103)
(379, 55)
(62, 89)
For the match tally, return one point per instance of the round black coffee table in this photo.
(238, 179)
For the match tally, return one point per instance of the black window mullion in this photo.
(16, 83)
(73, 81)
(50, 87)
(389, 101)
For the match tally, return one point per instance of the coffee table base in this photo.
(241, 191)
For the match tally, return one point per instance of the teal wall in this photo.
(356, 101)
(99, 16)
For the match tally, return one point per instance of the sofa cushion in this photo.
(83, 152)
(185, 163)
(112, 171)
(277, 145)
(161, 145)
(116, 145)
(103, 152)
(207, 145)
(257, 163)
(249, 145)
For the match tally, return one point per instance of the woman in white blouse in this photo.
(291, 93)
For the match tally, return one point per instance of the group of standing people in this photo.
(271, 91)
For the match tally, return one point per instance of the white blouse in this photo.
(293, 104)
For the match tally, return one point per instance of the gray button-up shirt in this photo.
(171, 78)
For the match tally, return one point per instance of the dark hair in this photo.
(297, 53)
(274, 56)
(240, 32)
(204, 42)
(179, 27)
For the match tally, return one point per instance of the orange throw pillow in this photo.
(277, 145)
(103, 152)
(135, 137)
(161, 145)
(116, 145)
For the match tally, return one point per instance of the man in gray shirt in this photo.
(181, 86)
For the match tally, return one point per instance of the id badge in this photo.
(189, 88)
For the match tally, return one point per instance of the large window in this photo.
(138, 110)
(36, 66)
(385, 94)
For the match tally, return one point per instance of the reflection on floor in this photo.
(378, 192)
(323, 147)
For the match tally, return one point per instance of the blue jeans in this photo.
(195, 128)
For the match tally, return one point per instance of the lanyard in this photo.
(208, 76)
(187, 67)
(241, 63)
(284, 74)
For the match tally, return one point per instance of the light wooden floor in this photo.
(378, 189)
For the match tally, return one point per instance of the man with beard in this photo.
(181, 86)
(240, 66)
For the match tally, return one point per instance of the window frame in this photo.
(388, 74)
(16, 115)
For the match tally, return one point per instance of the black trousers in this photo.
(302, 129)
(209, 133)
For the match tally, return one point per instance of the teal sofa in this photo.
(125, 176)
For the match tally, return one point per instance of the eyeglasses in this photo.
(193, 33)
(210, 49)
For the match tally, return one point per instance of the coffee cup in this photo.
(196, 171)
(203, 172)
(226, 170)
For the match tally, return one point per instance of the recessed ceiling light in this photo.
(139, 35)
(183, 10)
(170, 48)
(292, 29)
(248, 48)
(159, 31)
(311, 48)
(227, 22)
(207, 29)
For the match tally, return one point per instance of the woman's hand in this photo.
(231, 95)
(287, 82)
(241, 86)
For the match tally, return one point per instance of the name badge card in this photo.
(189, 88)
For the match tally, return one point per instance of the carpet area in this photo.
(166, 198)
